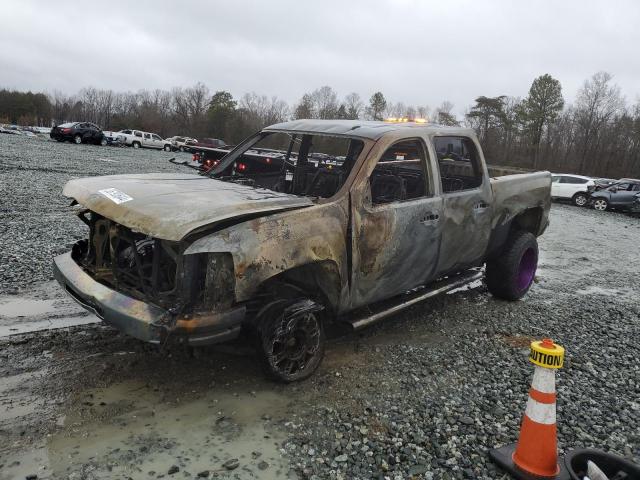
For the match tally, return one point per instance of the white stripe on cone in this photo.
(544, 380)
(544, 413)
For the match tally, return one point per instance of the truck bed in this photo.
(514, 194)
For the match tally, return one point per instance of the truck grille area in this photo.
(131, 263)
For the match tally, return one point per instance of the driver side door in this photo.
(396, 224)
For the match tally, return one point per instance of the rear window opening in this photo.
(300, 164)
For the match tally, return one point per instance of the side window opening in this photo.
(459, 163)
(138, 134)
(400, 173)
(312, 165)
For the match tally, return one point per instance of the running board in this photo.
(408, 300)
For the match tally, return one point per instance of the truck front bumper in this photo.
(142, 320)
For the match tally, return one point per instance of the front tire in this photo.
(77, 139)
(290, 339)
(103, 142)
(135, 144)
(580, 199)
(600, 204)
(510, 275)
(167, 148)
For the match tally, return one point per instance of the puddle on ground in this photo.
(130, 430)
(25, 314)
(50, 324)
(14, 403)
(25, 307)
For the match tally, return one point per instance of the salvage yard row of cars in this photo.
(600, 193)
(87, 132)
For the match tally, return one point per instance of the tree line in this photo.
(599, 134)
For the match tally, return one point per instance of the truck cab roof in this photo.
(372, 130)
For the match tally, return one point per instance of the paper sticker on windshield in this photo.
(115, 195)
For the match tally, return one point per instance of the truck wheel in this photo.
(509, 275)
(290, 339)
(135, 144)
(103, 142)
(77, 139)
(600, 204)
(167, 148)
(580, 199)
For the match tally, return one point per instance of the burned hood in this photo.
(170, 206)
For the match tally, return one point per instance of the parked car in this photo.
(78, 132)
(376, 227)
(576, 188)
(624, 195)
(191, 145)
(601, 183)
(140, 139)
(114, 138)
(180, 143)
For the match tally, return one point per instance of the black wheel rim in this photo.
(293, 344)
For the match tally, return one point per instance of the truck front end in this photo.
(147, 288)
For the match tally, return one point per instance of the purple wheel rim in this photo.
(527, 269)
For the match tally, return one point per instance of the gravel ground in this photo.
(423, 395)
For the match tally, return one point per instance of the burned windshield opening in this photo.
(296, 163)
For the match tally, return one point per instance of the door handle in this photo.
(480, 207)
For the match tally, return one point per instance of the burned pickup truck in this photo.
(385, 216)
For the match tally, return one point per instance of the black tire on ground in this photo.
(135, 144)
(167, 148)
(290, 339)
(77, 139)
(103, 142)
(580, 199)
(511, 272)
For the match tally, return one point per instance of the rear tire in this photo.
(103, 142)
(290, 339)
(510, 275)
(77, 139)
(167, 148)
(580, 199)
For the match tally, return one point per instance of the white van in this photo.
(138, 139)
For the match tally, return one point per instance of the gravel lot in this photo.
(423, 395)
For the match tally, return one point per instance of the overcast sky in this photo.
(420, 52)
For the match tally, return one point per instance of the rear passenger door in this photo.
(396, 224)
(467, 203)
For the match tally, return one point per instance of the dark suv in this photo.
(78, 132)
(624, 195)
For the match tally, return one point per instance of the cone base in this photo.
(503, 458)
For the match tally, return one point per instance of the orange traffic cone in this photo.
(536, 452)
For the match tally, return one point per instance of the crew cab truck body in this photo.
(396, 213)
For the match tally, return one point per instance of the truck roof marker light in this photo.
(405, 120)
